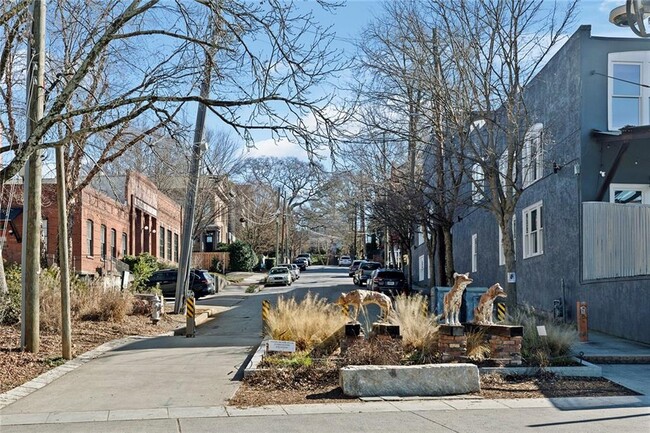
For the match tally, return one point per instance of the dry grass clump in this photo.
(377, 350)
(309, 322)
(478, 348)
(88, 301)
(542, 351)
(419, 330)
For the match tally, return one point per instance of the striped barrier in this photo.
(266, 309)
(190, 312)
(501, 312)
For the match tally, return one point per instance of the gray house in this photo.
(582, 225)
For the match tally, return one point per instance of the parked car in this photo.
(301, 262)
(388, 281)
(201, 282)
(279, 275)
(354, 266)
(292, 274)
(363, 273)
(345, 261)
(295, 270)
(306, 256)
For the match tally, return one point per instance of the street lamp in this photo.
(633, 15)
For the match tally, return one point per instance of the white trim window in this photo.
(629, 193)
(478, 182)
(533, 155)
(421, 268)
(502, 254)
(89, 237)
(628, 101)
(474, 252)
(420, 238)
(533, 230)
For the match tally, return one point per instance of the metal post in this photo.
(277, 231)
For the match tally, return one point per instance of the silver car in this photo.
(279, 275)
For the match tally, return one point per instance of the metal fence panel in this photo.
(615, 240)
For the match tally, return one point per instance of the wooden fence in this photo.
(204, 260)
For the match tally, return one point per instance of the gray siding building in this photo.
(582, 227)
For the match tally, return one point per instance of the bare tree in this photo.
(268, 58)
(495, 48)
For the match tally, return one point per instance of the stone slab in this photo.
(400, 380)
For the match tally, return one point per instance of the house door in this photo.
(209, 241)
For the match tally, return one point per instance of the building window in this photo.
(113, 243)
(502, 255)
(124, 245)
(102, 239)
(420, 239)
(474, 252)
(478, 182)
(44, 235)
(533, 230)
(421, 268)
(89, 237)
(162, 242)
(176, 247)
(533, 155)
(629, 100)
(628, 193)
(169, 244)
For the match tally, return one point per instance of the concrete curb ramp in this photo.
(409, 380)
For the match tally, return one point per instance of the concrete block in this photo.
(400, 380)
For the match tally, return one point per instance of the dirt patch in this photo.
(287, 387)
(18, 367)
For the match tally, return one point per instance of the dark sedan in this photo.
(388, 281)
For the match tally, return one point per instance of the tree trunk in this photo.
(449, 254)
(4, 289)
(511, 268)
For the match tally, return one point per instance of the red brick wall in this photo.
(102, 210)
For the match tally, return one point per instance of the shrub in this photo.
(242, 257)
(538, 350)
(310, 322)
(419, 331)
(142, 267)
(112, 306)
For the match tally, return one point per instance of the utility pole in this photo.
(64, 265)
(354, 244)
(182, 282)
(30, 336)
(277, 230)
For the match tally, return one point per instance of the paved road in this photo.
(178, 384)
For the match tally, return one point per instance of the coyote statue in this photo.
(358, 298)
(483, 312)
(454, 298)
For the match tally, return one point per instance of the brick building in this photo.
(117, 216)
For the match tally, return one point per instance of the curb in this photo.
(586, 370)
(200, 319)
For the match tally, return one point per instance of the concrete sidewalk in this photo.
(169, 383)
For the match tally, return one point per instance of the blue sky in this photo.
(348, 22)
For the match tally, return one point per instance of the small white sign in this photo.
(280, 346)
(541, 331)
(512, 277)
